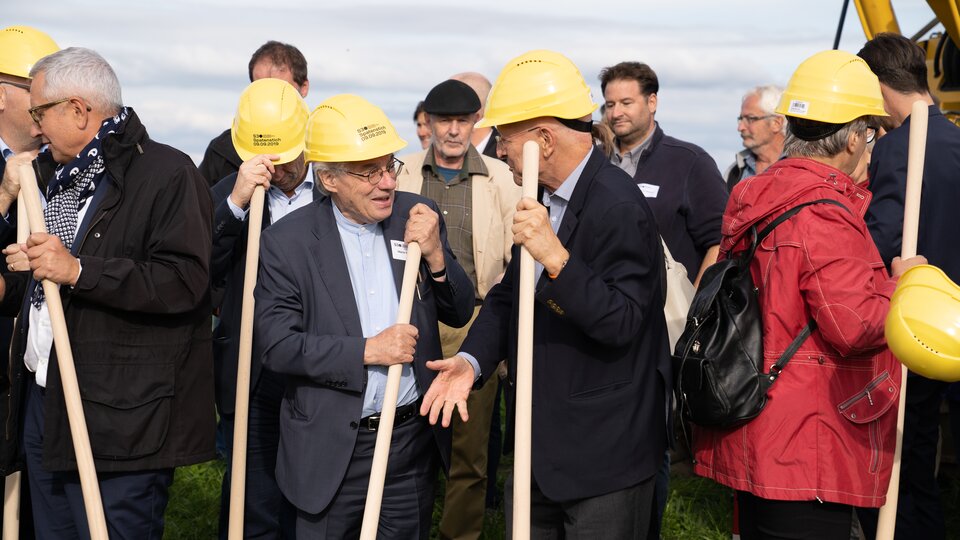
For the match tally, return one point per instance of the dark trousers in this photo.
(267, 514)
(919, 511)
(133, 502)
(625, 514)
(408, 492)
(765, 519)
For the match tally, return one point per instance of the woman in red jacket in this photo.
(824, 443)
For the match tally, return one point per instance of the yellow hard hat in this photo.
(21, 47)
(923, 325)
(271, 119)
(349, 128)
(535, 84)
(834, 87)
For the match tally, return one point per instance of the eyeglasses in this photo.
(17, 85)
(392, 168)
(502, 141)
(749, 118)
(37, 112)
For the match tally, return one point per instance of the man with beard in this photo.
(763, 132)
(477, 198)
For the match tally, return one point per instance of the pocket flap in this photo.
(872, 401)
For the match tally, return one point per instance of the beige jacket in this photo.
(495, 199)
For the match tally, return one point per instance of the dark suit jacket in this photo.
(939, 227)
(308, 328)
(600, 352)
(226, 278)
(220, 159)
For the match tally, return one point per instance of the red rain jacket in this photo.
(828, 429)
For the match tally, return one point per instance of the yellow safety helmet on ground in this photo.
(923, 325)
(834, 87)
(349, 128)
(21, 47)
(271, 119)
(538, 83)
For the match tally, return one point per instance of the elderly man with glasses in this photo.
(763, 132)
(327, 298)
(129, 244)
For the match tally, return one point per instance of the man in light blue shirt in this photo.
(326, 319)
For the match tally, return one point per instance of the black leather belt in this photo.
(403, 414)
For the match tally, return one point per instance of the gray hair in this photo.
(768, 97)
(829, 146)
(76, 71)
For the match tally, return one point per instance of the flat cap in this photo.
(451, 98)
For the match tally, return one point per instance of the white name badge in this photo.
(399, 250)
(649, 190)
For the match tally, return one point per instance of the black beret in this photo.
(451, 98)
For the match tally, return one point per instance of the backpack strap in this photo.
(777, 367)
(758, 237)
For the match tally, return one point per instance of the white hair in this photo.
(768, 97)
(80, 72)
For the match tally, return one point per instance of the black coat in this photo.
(138, 317)
(939, 227)
(600, 354)
(220, 159)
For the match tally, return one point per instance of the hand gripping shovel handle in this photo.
(238, 470)
(522, 463)
(68, 373)
(887, 521)
(11, 488)
(381, 452)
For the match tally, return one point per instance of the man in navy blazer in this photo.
(326, 304)
(901, 67)
(600, 353)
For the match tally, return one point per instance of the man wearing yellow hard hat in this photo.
(268, 133)
(326, 310)
(823, 444)
(901, 67)
(600, 358)
(20, 48)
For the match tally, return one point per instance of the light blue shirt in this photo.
(5, 150)
(277, 201)
(557, 202)
(375, 292)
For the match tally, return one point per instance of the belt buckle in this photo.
(373, 422)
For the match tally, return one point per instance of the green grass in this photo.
(697, 508)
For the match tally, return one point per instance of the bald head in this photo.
(481, 85)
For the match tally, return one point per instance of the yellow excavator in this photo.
(943, 55)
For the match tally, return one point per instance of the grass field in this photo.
(698, 509)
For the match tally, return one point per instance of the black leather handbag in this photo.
(718, 360)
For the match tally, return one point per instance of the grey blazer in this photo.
(308, 329)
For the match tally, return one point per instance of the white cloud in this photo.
(183, 63)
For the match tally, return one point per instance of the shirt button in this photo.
(371, 292)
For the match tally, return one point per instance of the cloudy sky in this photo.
(183, 63)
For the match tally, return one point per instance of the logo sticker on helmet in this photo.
(798, 107)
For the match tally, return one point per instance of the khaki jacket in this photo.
(495, 199)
